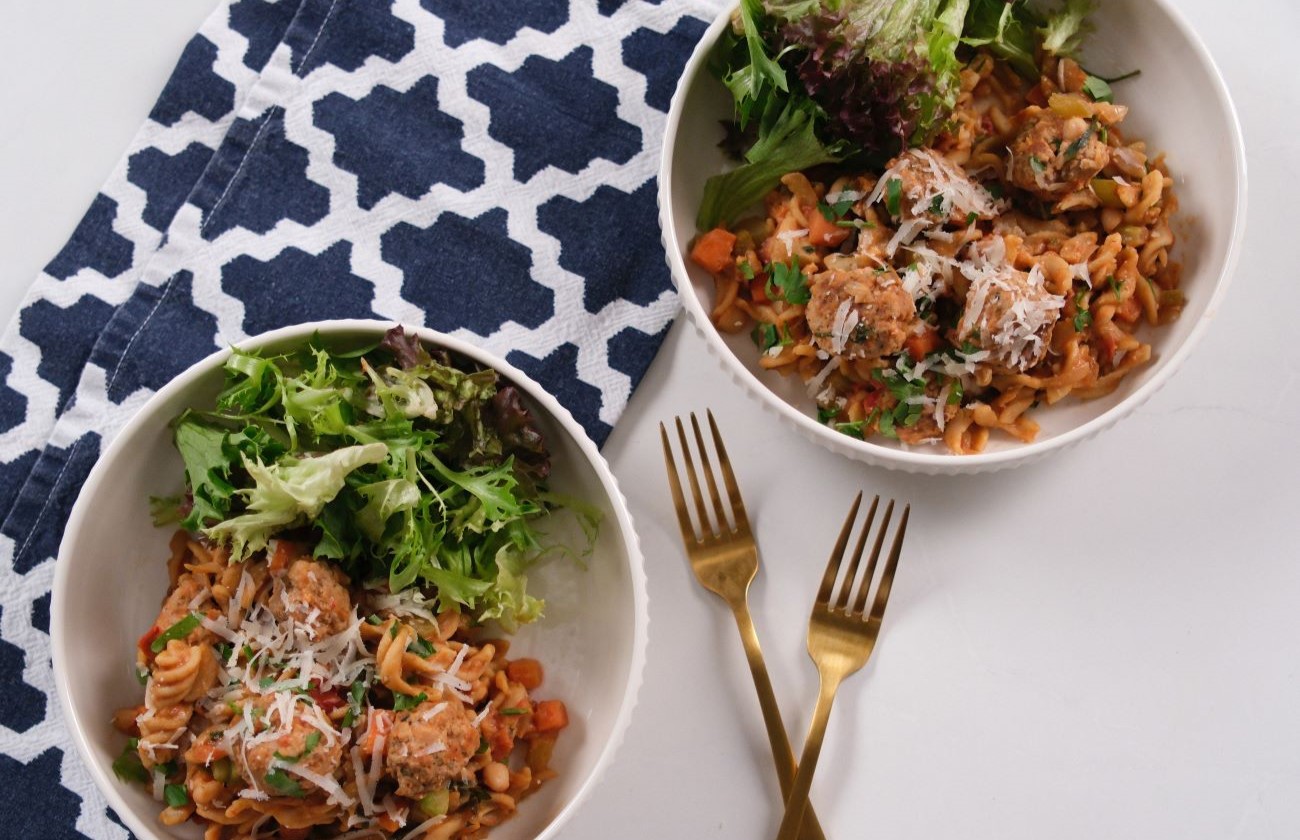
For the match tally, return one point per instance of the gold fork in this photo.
(841, 637)
(725, 561)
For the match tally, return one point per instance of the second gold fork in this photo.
(725, 561)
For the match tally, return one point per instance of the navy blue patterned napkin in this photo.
(484, 169)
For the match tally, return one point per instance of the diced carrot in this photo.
(823, 231)
(286, 552)
(526, 672)
(385, 821)
(921, 345)
(758, 290)
(379, 723)
(205, 751)
(550, 716)
(712, 251)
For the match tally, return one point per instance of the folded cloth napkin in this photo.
(485, 169)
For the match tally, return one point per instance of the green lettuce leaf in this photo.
(289, 492)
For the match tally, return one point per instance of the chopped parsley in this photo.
(405, 702)
(1037, 165)
(374, 620)
(128, 766)
(860, 224)
(284, 784)
(179, 630)
(176, 796)
(1082, 317)
(766, 336)
(826, 415)
(1082, 140)
(746, 269)
(514, 711)
(894, 196)
(936, 205)
(1115, 286)
(309, 744)
(831, 212)
(142, 675)
(790, 280)
(971, 218)
(421, 648)
(854, 429)
(355, 695)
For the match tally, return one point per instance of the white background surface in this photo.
(1101, 645)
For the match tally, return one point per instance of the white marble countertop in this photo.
(1103, 644)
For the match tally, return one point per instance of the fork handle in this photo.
(782, 753)
(797, 802)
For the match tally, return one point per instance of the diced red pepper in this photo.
(147, 639)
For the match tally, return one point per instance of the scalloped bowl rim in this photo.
(913, 460)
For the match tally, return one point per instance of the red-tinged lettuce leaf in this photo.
(407, 349)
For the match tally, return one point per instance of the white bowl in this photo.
(1179, 105)
(111, 577)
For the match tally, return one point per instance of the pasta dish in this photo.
(1007, 263)
(320, 666)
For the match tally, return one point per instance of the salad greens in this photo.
(857, 81)
(397, 463)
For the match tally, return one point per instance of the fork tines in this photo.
(727, 517)
(859, 603)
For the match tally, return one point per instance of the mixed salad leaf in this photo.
(857, 81)
(400, 464)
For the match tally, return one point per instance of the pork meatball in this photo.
(314, 594)
(860, 313)
(298, 746)
(1007, 313)
(430, 745)
(932, 187)
(1054, 155)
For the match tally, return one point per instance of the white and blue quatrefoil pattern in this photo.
(486, 169)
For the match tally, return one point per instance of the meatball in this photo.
(313, 594)
(302, 746)
(1054, 155)
(860, 313)
(934, 188)
(430, 745)
(1007, 313)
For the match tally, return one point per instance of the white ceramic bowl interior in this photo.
(1178, 104)
(111, 577)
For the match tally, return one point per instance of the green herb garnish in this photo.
(283, 784)
(894, 197)
(421, 647)
(790, 280)
(128, 767)
(406, 702)
(175, 795)
(179, 630)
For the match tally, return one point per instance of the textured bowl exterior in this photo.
(77, 615)
(1205, 145)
